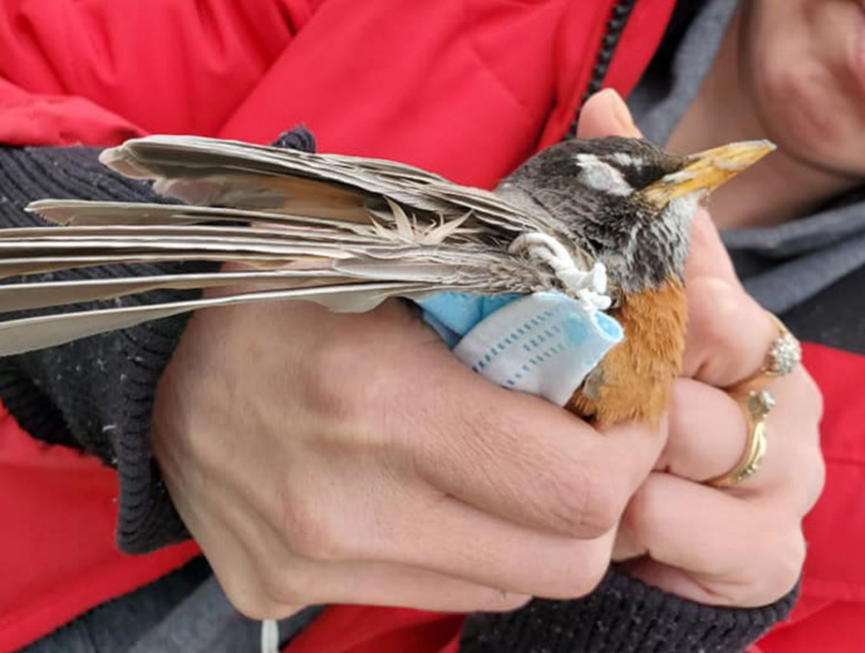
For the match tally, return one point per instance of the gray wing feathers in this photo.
(198, 170)
(342, 231)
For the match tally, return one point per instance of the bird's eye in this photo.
(600, 175)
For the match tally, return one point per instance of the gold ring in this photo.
(784, 355)
(757, 407)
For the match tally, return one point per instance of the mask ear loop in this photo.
(269, 636)
(588, 286)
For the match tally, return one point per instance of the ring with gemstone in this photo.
(784, 355)
(757, 406)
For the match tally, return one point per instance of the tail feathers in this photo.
(101, 233)
(22, 335)
(343, 265)
(81, 213)
(30, 296)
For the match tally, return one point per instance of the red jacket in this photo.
(468, 88)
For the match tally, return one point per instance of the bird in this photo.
(605, 221)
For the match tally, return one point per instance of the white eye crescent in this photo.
(626, 160)
(599, 175)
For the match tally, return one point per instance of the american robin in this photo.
(606, 221)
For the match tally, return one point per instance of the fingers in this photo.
(528, 462)
(441, 555)
(374, 483)
(505, 453)
(389, 516)
(271, 582)
(501, 554)
(295, 579)
(606, 114)
(383, 584)
(792, 474)
(728, 335)
(707, 256)
(736, 553)
(739, 546)
(708, 432)
(264, 578)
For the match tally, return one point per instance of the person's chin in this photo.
(856, 50)
(842, 155)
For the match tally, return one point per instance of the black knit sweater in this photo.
(97, 395)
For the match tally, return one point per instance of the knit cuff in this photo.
(147, 519)
(97, 394)
(626, 616)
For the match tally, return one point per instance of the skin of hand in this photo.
(325, 458)
(741, 546)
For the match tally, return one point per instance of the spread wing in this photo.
(342, 231)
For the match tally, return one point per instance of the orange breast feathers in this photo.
(635, 378)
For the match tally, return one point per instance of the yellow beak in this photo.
(707, 170)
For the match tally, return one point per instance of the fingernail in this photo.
(619, 109)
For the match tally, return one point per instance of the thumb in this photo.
(606, 114)
(707, 256)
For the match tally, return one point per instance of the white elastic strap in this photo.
(589, 286)
(269, 636)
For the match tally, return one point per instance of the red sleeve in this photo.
(42, 119)
(98, 72)
(830, 615)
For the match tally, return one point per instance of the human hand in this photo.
(741, 546)
(323, 458)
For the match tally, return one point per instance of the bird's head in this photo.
(628, 202)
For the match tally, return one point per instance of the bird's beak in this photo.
(707, 170)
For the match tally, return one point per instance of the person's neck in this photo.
(778, 189)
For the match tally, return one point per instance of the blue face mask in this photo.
(542, 344)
